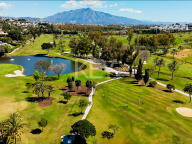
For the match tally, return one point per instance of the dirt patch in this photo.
(43, 101)
(81, 92)
(122, 69)
(182, 54)
(8, 108)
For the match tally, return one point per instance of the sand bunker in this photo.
(182, 54)
(7, 108)
(17, 73)
(187, 112)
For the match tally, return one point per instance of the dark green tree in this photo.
(47, 47)
(67, 96)
(88, 85)
(84, 128)
(139, 74)
(77, 84)
(170, 87)
(106, 134)
(43, 123)
(69, 80)
(165, 51)
(146, 76)
(188, 88)
(73, 79)
(70, 86)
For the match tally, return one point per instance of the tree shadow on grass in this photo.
(162, 79)
(168, 91)
(35, 99)
(36, 131)
(62, 102)
(76, 114)
(139, 85)
(25, 92)
(178, 101)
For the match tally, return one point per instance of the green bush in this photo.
(152, 83)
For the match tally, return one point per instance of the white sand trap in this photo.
(187, 112)
(17, 73)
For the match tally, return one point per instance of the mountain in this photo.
(89, 16)
(33, 19)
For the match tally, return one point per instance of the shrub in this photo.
(152, 83)
(170, 87)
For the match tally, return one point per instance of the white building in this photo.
(171, 27)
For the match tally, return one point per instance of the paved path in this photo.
(174, 90)
(91, 94)
(91, 100)
(20, 47)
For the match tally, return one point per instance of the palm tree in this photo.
(180, 47)
(173, 66)
(94, 85)
(188, 88)
(174, 52)
(155, 61)
(13, 128)
(160, 64)
(37, 88)
(49, 89)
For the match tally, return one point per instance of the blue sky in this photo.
(167, 11)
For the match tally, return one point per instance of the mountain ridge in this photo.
(89, 16)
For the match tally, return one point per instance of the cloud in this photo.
(129, 10)
(4, 6)
(83, 4)
(113, 5)
(35, 4)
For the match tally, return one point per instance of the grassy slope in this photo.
(154, 122)
(181, 77)
(57, 113)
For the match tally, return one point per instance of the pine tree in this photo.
(146, 76)
(139, 75)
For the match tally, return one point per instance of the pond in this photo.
(28, 62)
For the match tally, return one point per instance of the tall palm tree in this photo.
(13, 128)
(156, 61)
(37, 88)
(173, 66)
(160, 64)
(49, 89)
(174, 52)
(188, 88)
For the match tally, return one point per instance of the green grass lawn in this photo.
(154, 122)
(148, 123)
(14, 99)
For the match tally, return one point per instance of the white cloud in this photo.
(4, 6)
(129, 10)
(35, 4)
(83, 4)
(113, 5)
